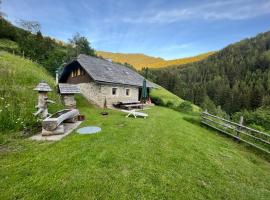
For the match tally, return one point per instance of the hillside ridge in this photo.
(139, 60)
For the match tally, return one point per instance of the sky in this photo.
(162, 28)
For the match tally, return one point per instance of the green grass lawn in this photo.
(162, 157)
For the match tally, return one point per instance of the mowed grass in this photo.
(162, 157)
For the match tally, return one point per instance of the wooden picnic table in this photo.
(129, 102)
(129, 106)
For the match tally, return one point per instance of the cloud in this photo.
(220, 10)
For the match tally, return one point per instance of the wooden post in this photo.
(23, 54)
(56, 77)
(239, 127)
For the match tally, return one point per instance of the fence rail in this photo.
(255, 138)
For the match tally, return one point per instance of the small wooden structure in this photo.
(67, 92)
(43, 88)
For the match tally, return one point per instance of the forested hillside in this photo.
(236, 78)
(140, 61)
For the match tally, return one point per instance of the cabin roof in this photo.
(65, 88)
(104, 71)
(43, 87)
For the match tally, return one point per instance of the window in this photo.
(77, 72)
(127, 92)
(114, 91)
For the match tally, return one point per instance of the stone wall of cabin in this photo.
(92, 92)
(96, 93)
(106, 92)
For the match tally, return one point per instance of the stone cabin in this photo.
(100, 79)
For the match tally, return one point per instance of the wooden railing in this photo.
(240, 132)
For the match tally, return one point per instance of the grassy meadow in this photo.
(166, 156)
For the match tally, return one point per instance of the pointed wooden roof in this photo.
(43, 87)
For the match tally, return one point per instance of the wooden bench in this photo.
(129, 102)
(129, 106)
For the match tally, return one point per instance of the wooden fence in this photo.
(240, 132)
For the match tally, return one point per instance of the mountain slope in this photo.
(235, 78)
(140, 61)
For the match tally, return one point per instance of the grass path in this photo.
(162, 157)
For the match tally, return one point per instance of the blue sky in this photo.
(168, 29)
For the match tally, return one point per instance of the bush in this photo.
(157, 101)
(259, 117)
(170, 104)
(185, 107)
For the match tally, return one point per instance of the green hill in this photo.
(162, 157)
(18, 77)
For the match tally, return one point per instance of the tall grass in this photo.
(18, 77)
